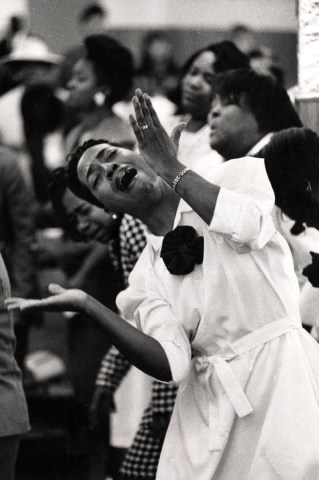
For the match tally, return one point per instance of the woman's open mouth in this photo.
(124, 180)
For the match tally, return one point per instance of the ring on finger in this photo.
(143, 127)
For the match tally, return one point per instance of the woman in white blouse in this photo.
(216, 301)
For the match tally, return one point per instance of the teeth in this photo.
(127, 178)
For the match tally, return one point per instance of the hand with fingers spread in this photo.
(157, 148)
(61, 300)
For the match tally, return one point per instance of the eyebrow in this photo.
(100, 154)
(93, 165)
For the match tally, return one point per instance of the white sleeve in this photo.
(145, 302)
(242, 220)
(244, 204)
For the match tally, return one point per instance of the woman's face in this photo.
(119, 178)
(197, 85)
(91, 222)
(82, 86)
(233, 129)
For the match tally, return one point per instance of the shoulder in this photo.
(239, 171)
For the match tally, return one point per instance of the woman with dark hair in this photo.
(195, 92)
(216, 300)
(100, 79)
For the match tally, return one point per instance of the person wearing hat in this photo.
(29, 64)
(17, 208)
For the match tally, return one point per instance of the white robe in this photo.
(247, 406)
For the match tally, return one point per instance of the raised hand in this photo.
(157, 148)
(60, 301)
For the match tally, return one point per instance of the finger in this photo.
(22, 304)
(13, 303)
(155, 120)
(137, 132)
(142, 99)
(176, 133)
(56, 289)
(139, 115)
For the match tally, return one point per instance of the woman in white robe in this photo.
(229, 330)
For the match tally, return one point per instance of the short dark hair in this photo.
(73, 181)
(93, 10)
(267, 100)
(292, 161)
(228, 57)
(112, 64)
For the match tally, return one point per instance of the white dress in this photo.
(247, 406)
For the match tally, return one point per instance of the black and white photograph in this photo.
(159, 240)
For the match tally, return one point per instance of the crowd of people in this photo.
(186, 198)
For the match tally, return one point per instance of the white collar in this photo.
(156, 240)
(259, 145)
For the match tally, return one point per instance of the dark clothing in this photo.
(9, 447)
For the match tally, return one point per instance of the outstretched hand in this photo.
(60, 301)
(157, 148)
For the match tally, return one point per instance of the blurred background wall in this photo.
(189, 23)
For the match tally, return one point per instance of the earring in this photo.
(309, 189)
(114, 215)
(99, 98)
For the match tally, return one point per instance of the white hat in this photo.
(32, 49)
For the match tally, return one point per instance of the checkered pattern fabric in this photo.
(112, 370)
(132, 243)
(142, 457)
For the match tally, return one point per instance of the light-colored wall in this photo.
(191, 24)
(274, 15)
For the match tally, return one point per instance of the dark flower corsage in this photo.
(312, 271)
(182, 248)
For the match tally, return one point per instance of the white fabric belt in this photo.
(230, 384)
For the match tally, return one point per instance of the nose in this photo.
(213, 113)
(109, 169)
(70, 84)
(83, 226)
(195, 81)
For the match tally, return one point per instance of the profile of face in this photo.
(197, 85)
(82, 85)
(119, 178)
(91, 222)
(233, 128)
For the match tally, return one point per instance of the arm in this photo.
(113, 368)
(140, 349)
(236, 202)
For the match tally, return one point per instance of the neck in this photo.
(159, 217)
(241, 148)
(195, 124)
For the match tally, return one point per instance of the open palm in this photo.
(61, 300)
